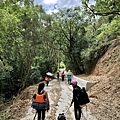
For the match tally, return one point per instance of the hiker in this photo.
(63, 75)
(47, 78)
(69, 76)
(42, 99)
(58, 75)
(77, 108)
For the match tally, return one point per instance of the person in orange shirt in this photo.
(47, 78)
(42, 100)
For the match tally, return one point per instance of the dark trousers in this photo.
(47, 82)
(41, 114)
(69, 81)
(57, 75)
(77, 112)
(62, 77)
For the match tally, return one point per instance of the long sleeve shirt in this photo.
(76, 90)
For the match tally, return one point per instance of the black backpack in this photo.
(61, 117)
(82, 97)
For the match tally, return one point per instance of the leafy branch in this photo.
(114, 12)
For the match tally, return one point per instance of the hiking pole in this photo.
(35, 115)
(67, 110)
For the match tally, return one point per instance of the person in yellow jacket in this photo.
(42, 101)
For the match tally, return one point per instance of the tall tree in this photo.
(70, 32)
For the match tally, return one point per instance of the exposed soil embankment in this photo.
(105, 95)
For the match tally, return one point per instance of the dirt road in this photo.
(60, 95)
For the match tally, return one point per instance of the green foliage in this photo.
(62, 65)
(102, 7)
(108, 31)
(93, 55)
(70, 23)
(20, 42)
(35, 76)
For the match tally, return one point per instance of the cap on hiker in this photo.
(74, 82)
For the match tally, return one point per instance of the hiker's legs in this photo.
(47, 82)
(43, 114)
(69, 81)
(39, 114)
(77, 112)
(58, 77)
(62, 78)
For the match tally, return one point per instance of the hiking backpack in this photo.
(39, 103)
(82, 97)
(61, 117)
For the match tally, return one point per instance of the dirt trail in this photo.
(60, 95)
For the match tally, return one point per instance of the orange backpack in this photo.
(39, 102)
(40, 98)
(46, 78)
